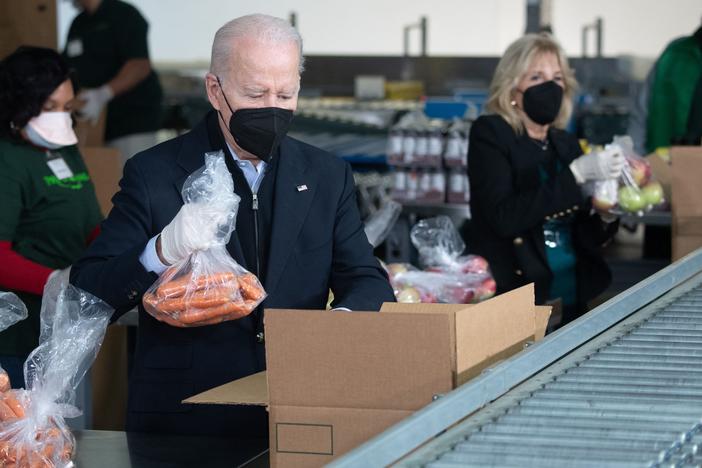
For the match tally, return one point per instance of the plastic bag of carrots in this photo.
(33, 432)
(12, 310)
(209, 286)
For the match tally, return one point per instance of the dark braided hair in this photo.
(28, 76)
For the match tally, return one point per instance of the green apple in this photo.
(653, 193)
(631, 199)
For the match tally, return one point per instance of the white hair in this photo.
(264, 27)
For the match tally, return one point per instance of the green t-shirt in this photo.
(97, 47)
(47, 220)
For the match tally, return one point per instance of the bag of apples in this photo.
(444, 287)
(635, 192)
(448, 276)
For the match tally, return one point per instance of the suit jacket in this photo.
(509, 204)
(317, 242)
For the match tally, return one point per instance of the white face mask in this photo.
(51, 130)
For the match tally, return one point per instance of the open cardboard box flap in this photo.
(250, 390)
(393, 360)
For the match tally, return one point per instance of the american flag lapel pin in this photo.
(301, 188)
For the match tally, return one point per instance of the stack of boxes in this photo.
(429, 160)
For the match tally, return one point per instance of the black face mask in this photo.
(259, 131)
(542, 102)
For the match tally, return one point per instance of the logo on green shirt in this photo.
(75, 182)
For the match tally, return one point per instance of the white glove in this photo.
(600, 165)
(195, 227)
(55, 284)
(94, 101)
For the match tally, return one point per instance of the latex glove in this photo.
(195, 227)
(598, 165)
(94, 100)
(55, 284)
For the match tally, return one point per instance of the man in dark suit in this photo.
(298, 229)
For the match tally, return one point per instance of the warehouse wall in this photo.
(183, 31)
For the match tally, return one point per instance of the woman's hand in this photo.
(598, 165)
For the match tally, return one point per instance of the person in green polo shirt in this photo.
(49, 211)
(107, 48)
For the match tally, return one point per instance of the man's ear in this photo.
(213, 90)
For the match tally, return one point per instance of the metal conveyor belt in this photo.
(629, 397)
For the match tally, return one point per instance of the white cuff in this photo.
(149, 258)
(578, 178)
(342, 309)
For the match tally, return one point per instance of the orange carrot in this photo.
(250, 287)
(4, 381)
(179, 286)
(230, 310)
(199, 299)
(11, 401)
(165, 318)
(6, 412)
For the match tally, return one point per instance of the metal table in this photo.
(112, 449)
(619, 387)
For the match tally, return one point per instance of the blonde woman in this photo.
(530, 217)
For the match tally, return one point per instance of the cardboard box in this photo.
(683, 245)
(27, 22)
(686, 181)
(662, 173)
(336, 379)
(686, 172)
(90, 134)
(105, 169)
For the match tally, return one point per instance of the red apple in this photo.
(428, 297)
(473, 264)
(640, 171)
(604, 197)
(486, 290)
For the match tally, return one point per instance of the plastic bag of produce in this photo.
(379, 224)
(445, 287)
(440, 247)
(33, 433)
(635, 192)
(209, 286)
(12, 310)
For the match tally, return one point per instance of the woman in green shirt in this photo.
(49, 210)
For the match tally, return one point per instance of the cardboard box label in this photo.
(311, 439)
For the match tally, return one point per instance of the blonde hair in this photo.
(512, 66)
(264, 27)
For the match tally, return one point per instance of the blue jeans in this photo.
(14, 366)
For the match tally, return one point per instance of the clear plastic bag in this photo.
(33, 433)
(449, 276)
(451, 288)
(437, 241)
(440, 246)
(209, 286)
(12, 310)
(380, 223)
(635, 192)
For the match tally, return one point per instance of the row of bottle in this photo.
(430, 185)
(427, 148)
